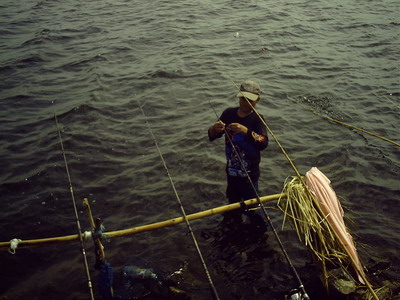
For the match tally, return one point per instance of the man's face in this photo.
(247, 105)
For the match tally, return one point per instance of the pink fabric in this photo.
(319, 184)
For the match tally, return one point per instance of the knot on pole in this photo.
(13, 245)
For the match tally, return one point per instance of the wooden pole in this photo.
(97, 239)
(143, 228)
(100, 254)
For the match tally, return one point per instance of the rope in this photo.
(89, 281)
(14, 245)
(350, 126)
(181, 207)
(360, 129)
(296, 275)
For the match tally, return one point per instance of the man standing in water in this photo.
(245, 136)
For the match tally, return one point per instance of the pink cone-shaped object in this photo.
(319, 184)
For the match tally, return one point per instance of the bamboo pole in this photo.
(99, 248)
(143, 228)
(100, 254)
(362, 130)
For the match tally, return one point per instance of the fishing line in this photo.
(181, 206)
(75, 207)
(296, 275)
(348, 125)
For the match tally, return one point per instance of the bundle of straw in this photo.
(312, 228)
(316, 215)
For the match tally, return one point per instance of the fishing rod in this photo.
(301, 288)
(89, 281)
(181, 207)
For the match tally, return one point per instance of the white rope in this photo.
(13, 245)
(87, 236)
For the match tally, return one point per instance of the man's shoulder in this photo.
(255, 117)
(256, 121)
(258, 117)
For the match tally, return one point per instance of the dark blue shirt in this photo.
(247, 146)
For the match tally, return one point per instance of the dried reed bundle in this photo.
(312, 228)
(317, 229)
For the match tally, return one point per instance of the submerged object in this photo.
(135, 272)
(140, 283)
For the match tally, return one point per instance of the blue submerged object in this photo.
(134, 272)
(134, 282)
(106, 278)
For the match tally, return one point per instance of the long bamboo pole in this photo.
(143, 228)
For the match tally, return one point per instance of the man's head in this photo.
(250, 90)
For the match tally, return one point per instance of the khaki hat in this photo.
(250, 90)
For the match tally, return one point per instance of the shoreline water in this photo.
(90, 63)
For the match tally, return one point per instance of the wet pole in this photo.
(78, 225)
(97, 234)
(214, 290)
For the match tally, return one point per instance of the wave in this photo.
(23, 62)
(165, 74)
(76, 111)
(88, 61)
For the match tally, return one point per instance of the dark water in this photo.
(96, 60)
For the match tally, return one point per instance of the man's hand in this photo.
(216, 130)
(235, 128)
(218, 127)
